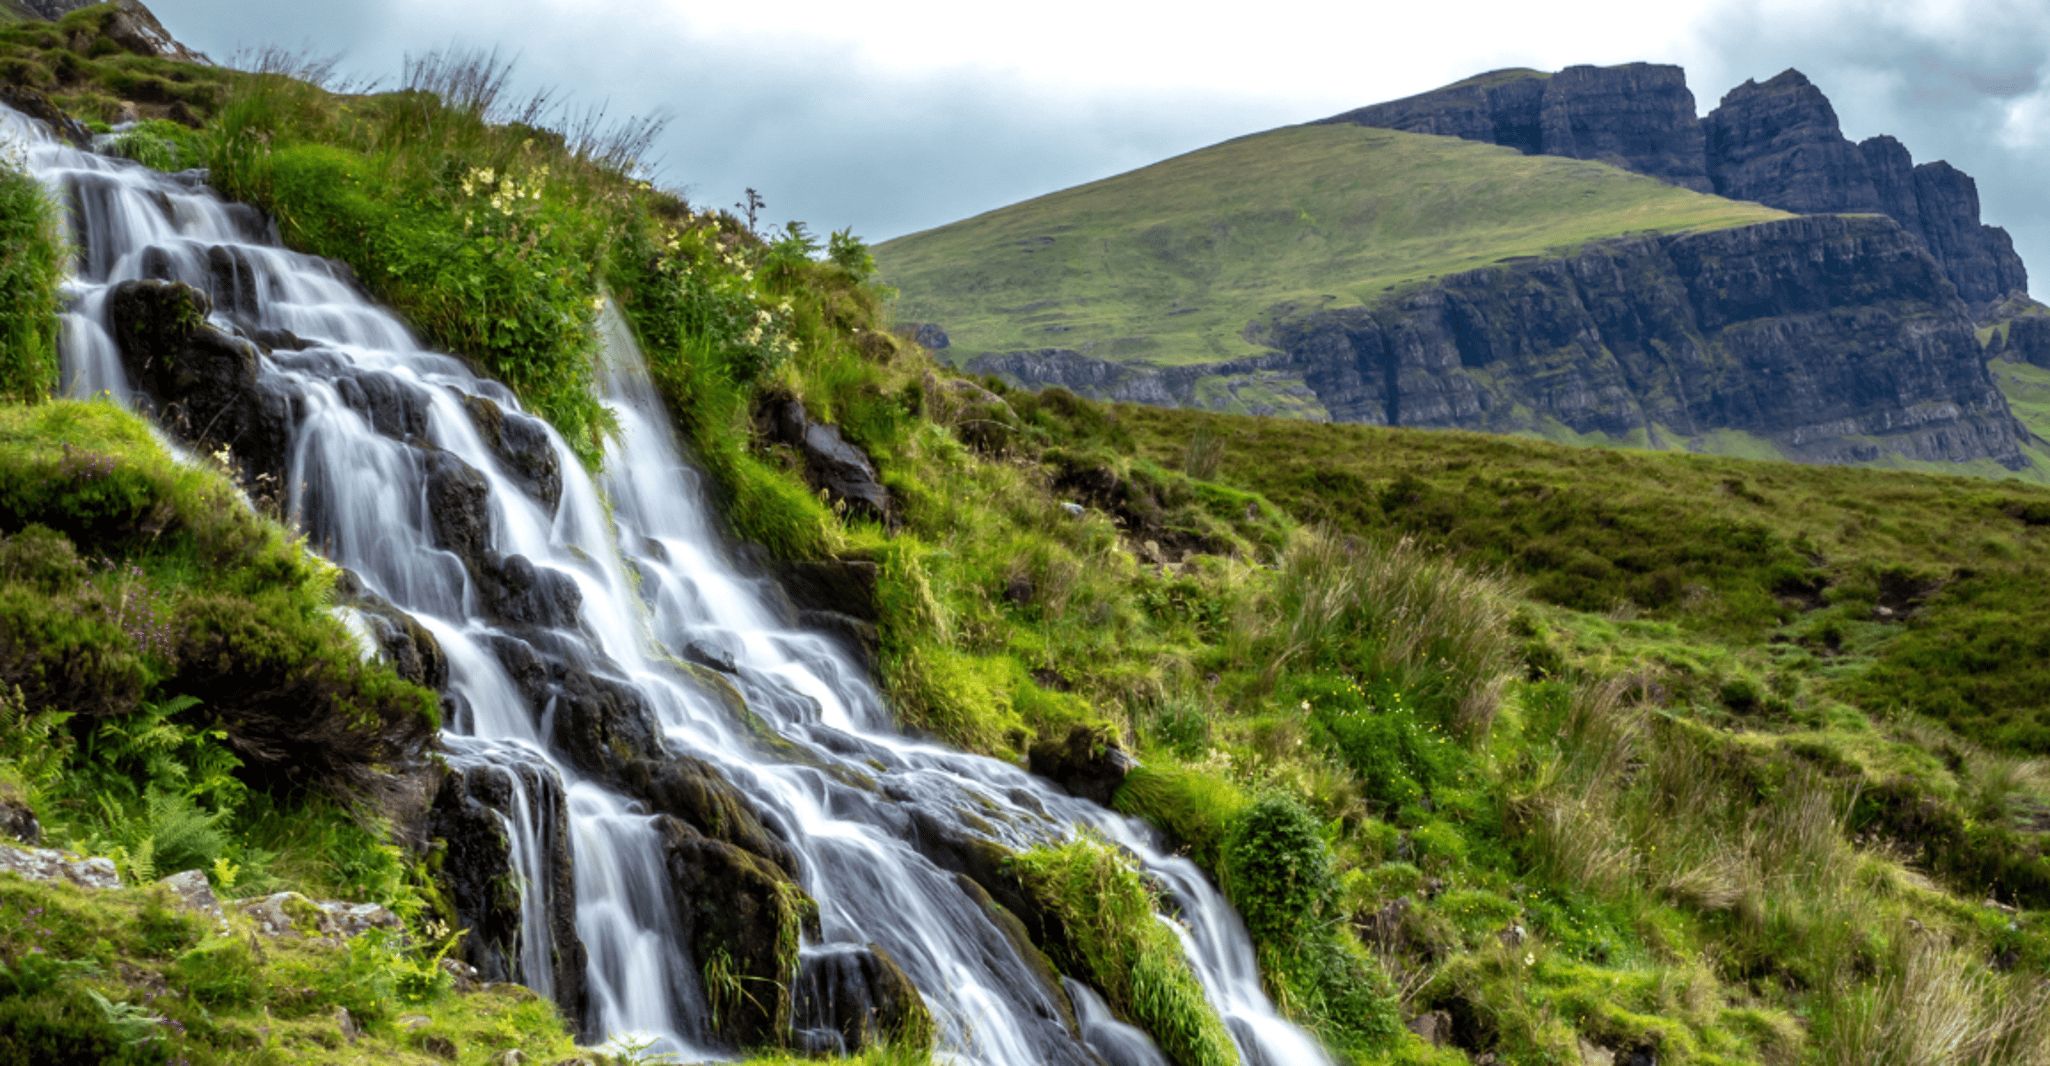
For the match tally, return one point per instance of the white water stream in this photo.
(653, 578)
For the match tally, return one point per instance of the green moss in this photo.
(1115, 941)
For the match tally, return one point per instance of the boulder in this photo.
(476, 874)
(1088, 763)
(832, 465)
(194, 893)
(843, 586)
(204, 382)
(520, 442)
(18, 821)
(741, 920)
(860, 995)
(45, 864)
(697, 794)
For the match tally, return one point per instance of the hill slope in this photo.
(1170, 262)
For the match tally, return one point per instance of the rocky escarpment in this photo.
(1775, 142)
(1829, 336)
(1639, 116)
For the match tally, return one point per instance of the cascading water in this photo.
(547, 603)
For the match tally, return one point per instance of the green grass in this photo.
(31, 266)
(1169, 263)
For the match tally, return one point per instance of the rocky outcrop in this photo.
(1101, 379)
(1830, 336)
(203, 382)
(851, 997)
(1778, 143)
(1638, 116)
(832, 465)
(1775, 142)
(741, 920)
(477, 805)
(1089, 763)
(130, 25)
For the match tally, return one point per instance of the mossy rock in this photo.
(741, 919)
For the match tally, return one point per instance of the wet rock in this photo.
(863, 997)
(741, 919)
(511, 590)
(35, 105)
(407, 645)
(705, 653)
(1088, 763)
(397, 408)
(477, 875)
(697, 794)
(44, 864)
(843, 586)
(521, 445)
(203, 382)
(458, 507)
(860, 639)
(194, 893)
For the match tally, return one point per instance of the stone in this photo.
(18, 820)
(1778, 143)
(45, 864)
(927, 335)
(194, 893)
(481, 884)
(741, 919)
(859, 994)
(203, 382)
(511, 1056)
(1593, 1054)
(832, 464)
(1089, 764)
(521, 444)
(843, 586)
(35, 105)
(1433, 1028)
(439, 1046)
(346, 1024)
(458, 507)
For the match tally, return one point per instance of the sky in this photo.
(893, 116)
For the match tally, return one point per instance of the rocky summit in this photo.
(1776, 143)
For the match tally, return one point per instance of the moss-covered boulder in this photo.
(1088, 762)
(741, 918)
(850, 997)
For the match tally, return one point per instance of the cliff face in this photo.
(1639, 116)
(1776, 143)
(1828, 336)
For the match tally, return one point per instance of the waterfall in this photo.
(557, 597)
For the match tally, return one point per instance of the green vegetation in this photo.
(1167, 264)
(92, 77)
(31, 266)
(1114, 940)
(1725, 761)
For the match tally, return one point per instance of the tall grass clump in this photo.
(31, 267)
(1390, 610)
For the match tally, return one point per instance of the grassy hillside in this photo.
(1713, 761)
(1170, 262)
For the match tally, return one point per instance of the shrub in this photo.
(1277, 868)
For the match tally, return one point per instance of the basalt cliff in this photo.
(1776, 143)
(1832, 337)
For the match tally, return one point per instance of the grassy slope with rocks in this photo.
(1630, 752)
(1169, 263)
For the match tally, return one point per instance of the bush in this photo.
(1277, 869)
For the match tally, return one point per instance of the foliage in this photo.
(31, 266)
(1276, 868)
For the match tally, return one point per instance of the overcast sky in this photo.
(892, 116)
